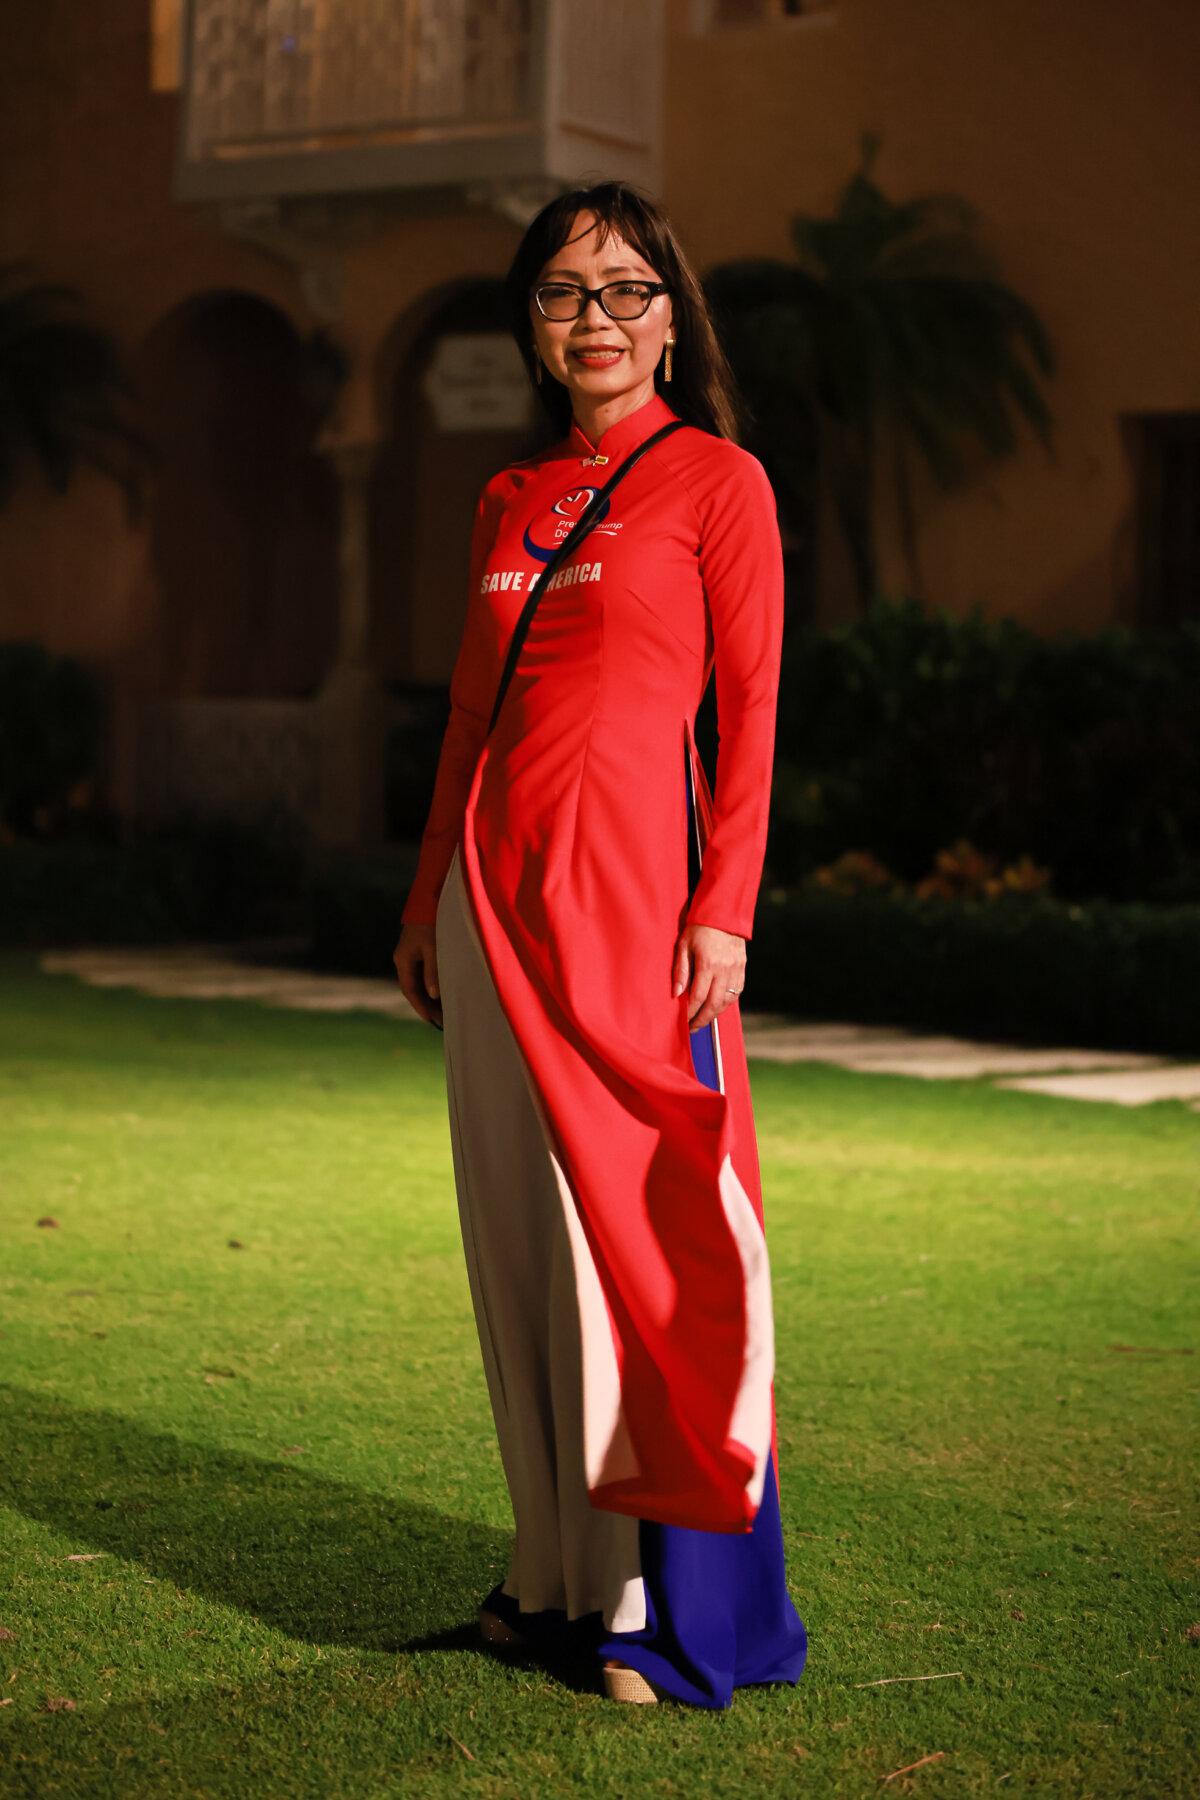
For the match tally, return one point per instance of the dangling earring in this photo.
(537, 366)
(667, 363)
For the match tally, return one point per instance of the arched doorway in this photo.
(455, 406)
(455, 403)
(244, 551)
(244, 537)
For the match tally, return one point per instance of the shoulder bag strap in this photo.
(572, 541)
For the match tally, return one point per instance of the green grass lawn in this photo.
(252, 1496)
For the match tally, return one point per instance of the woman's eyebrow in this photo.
(617, 269)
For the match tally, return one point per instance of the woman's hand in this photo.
(415, 957)
(713, 961)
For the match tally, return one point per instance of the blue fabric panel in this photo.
(704, 1056)
(718, 1612)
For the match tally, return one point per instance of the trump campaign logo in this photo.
(544, 534)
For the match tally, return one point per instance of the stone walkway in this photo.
(212, 972)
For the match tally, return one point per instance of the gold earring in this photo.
(667, 364)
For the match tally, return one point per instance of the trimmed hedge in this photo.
(906, 730)
(1023, 968)
(356, 913)
(51, 719)
(208, 881)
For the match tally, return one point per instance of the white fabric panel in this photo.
(540, 1312)
(751, 1421)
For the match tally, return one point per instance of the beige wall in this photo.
(1073, 127)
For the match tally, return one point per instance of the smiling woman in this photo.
(639, 333)
(578, 926)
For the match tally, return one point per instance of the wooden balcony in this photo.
(308, 97)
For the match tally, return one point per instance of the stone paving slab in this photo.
(817, 1043)
(172, 967)
(918, 1053)
(1131, 1087)
(965, 1059)
(833, 1031)
(194, 972)
(214, 971)
(341, 993)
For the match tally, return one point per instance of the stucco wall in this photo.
(1073, 128)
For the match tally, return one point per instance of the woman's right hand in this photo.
(415, 957)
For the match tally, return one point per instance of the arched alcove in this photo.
(455, 404)
(244, 536)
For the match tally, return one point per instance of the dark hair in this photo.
(701, 389)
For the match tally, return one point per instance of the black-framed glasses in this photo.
(620, 299)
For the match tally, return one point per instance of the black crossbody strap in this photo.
(583, 525)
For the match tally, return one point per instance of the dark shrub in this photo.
(1025, 968)
(51, 718)
(906, 731)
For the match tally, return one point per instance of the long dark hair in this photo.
(701, 389)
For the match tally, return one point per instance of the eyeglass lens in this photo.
(620, 300)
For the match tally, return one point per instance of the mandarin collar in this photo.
(623, 435)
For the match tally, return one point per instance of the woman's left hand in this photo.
(713, 961)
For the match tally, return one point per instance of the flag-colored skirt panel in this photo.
(661, 1169)
(698, 1612)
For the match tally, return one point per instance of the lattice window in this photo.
(231, 759)
(280, 69)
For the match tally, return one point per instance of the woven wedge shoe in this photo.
(624, 1683)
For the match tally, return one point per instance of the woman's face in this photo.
(635, 344)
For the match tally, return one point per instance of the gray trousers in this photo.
(513, 1201)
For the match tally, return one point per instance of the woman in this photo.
(577, 926)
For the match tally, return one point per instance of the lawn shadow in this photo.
(340, 1728)
(319, 1559)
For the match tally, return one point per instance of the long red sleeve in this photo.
(741, 564)
(473, 684)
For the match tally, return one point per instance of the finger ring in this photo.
(733, 990)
